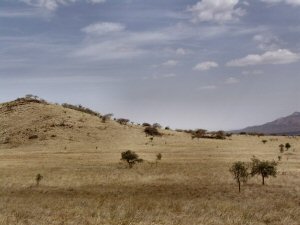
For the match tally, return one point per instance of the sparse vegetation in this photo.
(80, 108)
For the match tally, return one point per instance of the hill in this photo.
(289, 125)
(27, 122)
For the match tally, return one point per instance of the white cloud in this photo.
(103, 28)
(219, 11)
(232, 80)
(289, 2)
(181, 51)
(52, 5)
(280, 56)
(170, 63)
(207, 87)
(252, 72)
(206, 66)
(266, 41)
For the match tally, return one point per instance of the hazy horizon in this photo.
(218, 65)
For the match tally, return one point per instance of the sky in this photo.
(212, 64)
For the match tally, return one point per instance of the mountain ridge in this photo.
(288, 125)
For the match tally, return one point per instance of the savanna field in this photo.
(85, 182)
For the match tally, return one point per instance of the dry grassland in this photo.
(83, 185)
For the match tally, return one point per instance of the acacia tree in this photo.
(287, 146)
(239, 171)
(281, 147)
(264, 169)
(130, 157)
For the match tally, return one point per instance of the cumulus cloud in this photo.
(203, 66)
(218, 11)
(289, 2)
(103, 28)
(54, 4)
(280, 56)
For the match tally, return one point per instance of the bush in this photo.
(146, 125)
(152, 131)
(220, 135)
(157, 126)
(130, 157)
(123, 121)
(200, 133)
(107, 117)
(264, 141)
(288, 146)
(38, 179)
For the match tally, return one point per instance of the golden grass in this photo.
(191, 185)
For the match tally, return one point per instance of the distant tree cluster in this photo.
(242, 171)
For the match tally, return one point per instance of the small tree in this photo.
(264, 141)
(38, 178)
(130, 157)
(158, 157)
(281, 147)
(288, 146)
(240, 173)
(264, 169)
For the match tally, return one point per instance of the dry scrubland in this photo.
(87, 185)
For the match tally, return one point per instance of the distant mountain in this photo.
(289, 125)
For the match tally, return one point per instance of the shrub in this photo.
(240, 173)
(288, 146)
(152, 131)
(158, 156)
(264, 141)
(107, 117)
(220, 135)
(264, 169)
(200, 133)
(146, 125)
(123, 121)
(167, 128)
(130, 157)
(157, 126)
(38, 179)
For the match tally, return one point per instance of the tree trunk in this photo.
(263, 180)
(239, 186)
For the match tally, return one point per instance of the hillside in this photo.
(30, 122)
(289, 125)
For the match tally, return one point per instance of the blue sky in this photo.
(214, 64)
